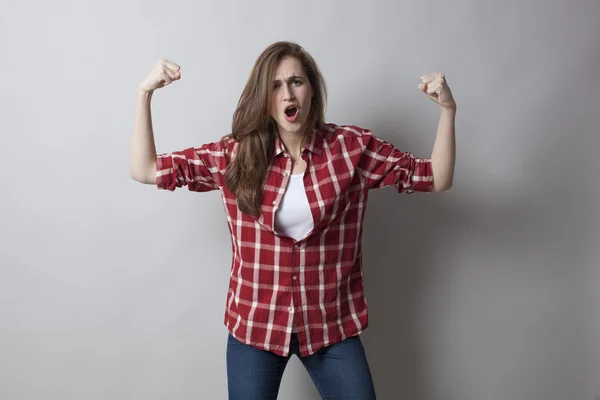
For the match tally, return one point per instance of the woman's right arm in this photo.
(142, 163)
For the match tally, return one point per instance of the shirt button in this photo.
(294, 277)
(285, 174)
(290, 309)
(274, 202)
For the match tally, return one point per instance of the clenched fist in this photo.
(434, 85)
(162, 74)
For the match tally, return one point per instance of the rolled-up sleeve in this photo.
(381, 164)
(201, 169)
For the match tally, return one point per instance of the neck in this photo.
(292, 142)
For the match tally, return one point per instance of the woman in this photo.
(295, 192)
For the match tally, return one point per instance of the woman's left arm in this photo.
(444, 150)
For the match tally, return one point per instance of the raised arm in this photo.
(142, 163)
(443, 155)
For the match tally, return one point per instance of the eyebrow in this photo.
(291, 78)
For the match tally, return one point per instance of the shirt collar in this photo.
(314, 146)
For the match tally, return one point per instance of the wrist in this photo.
(449, 109)
(144, 93)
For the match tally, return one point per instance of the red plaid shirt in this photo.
(316, 282)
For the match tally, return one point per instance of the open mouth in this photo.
(291, 113)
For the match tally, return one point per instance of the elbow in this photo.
(143, 174)
(442, 187)
(136, 176)
(442, 178)
(133, 174)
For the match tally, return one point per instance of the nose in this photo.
(287, 93)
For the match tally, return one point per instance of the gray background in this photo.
(110, 289)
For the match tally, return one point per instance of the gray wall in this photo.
(110, 289)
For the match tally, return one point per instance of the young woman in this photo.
(295, 191)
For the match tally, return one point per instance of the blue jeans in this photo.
(339, 371)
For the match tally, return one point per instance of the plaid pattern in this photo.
(316, 282)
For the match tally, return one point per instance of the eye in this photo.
(297, 82)
(276, 86)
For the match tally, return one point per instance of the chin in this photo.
(292, 128)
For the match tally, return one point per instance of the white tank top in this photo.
(294, 217)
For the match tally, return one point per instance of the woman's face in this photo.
(292, 96)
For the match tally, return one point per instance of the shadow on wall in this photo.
(413, 245)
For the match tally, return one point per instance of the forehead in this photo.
(289, 66)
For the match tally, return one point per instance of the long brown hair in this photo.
(254, 128)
